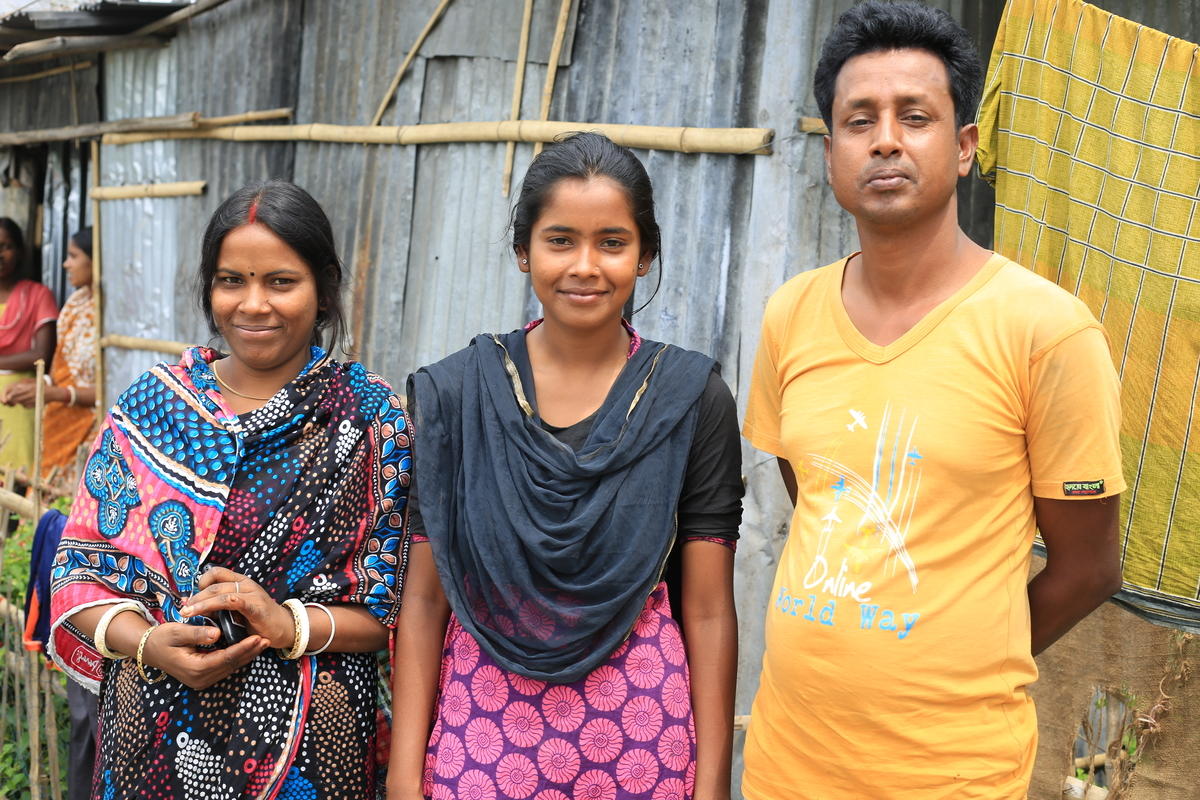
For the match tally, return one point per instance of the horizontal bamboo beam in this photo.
(56, 46)
(189, 121)
(176, 189)
(738, 141)
(138, 343)
(249, 116)
(17, 504)
(175, 122)
(46, 73)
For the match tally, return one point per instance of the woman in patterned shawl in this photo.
(70, 414)
(233, 557)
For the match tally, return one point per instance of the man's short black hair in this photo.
(877, 25)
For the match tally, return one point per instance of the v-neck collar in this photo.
(881, 354)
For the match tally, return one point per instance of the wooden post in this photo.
(510, 150)
(54, 773)
(560, 32)
(412, 54)
(39, 408)
(97, 283)
(35, 729)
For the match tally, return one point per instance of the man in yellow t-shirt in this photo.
(931, 404)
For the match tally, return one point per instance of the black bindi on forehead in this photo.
(251, 274)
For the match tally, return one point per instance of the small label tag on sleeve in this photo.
(1083, 488)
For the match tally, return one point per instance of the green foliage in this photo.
(14, 752)
(1129, 741)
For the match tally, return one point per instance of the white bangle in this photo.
(332, 629)
(72, 396)
(102, 628)
(300, 619)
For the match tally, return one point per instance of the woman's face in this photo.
(264, 300)
(78, 266)
(10, 258)
(585, 253)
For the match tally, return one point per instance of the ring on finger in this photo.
(237, 587)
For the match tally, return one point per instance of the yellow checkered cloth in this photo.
(1090, 130)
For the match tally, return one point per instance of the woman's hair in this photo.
(295, 217)
(18, 239)
(585, 156)
(874, 25)
(83, 240)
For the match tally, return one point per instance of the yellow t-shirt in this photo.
(897, 632)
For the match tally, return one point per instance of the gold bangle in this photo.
(141, 667)
(300, 621)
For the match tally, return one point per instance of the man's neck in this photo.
(914, 264)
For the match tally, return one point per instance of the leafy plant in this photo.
(15, 764)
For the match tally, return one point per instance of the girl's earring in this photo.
(524, 260)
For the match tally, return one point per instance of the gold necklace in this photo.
(217, 375)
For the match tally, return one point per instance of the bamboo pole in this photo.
(176, 189)
(175, 122)
(510, 149)
(248, 116)
(51, 716)
(35, 728)
(560, 32)
(5, 672)
(189, 121)
(55, 46)
(408, 59)
(39, 408)
(14, 503)
(736, 141)
(138, 343)
(811, 125)
(177, 17)
(46, 73)
(97, 284)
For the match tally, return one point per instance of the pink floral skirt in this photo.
(624, 731)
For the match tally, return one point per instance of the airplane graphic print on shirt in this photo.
(865, 525)
(885, 499)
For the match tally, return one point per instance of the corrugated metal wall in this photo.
(423, 229)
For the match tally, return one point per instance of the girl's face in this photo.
(78, 266)
(585, 253)
(264, 300)
(9, 257)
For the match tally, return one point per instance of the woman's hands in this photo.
(225, 590)
(175, 648)
(21, 393)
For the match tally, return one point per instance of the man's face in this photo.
(895, 152)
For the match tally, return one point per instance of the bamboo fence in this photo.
(25, 679)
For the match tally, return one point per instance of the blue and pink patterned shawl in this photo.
(305, 495)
